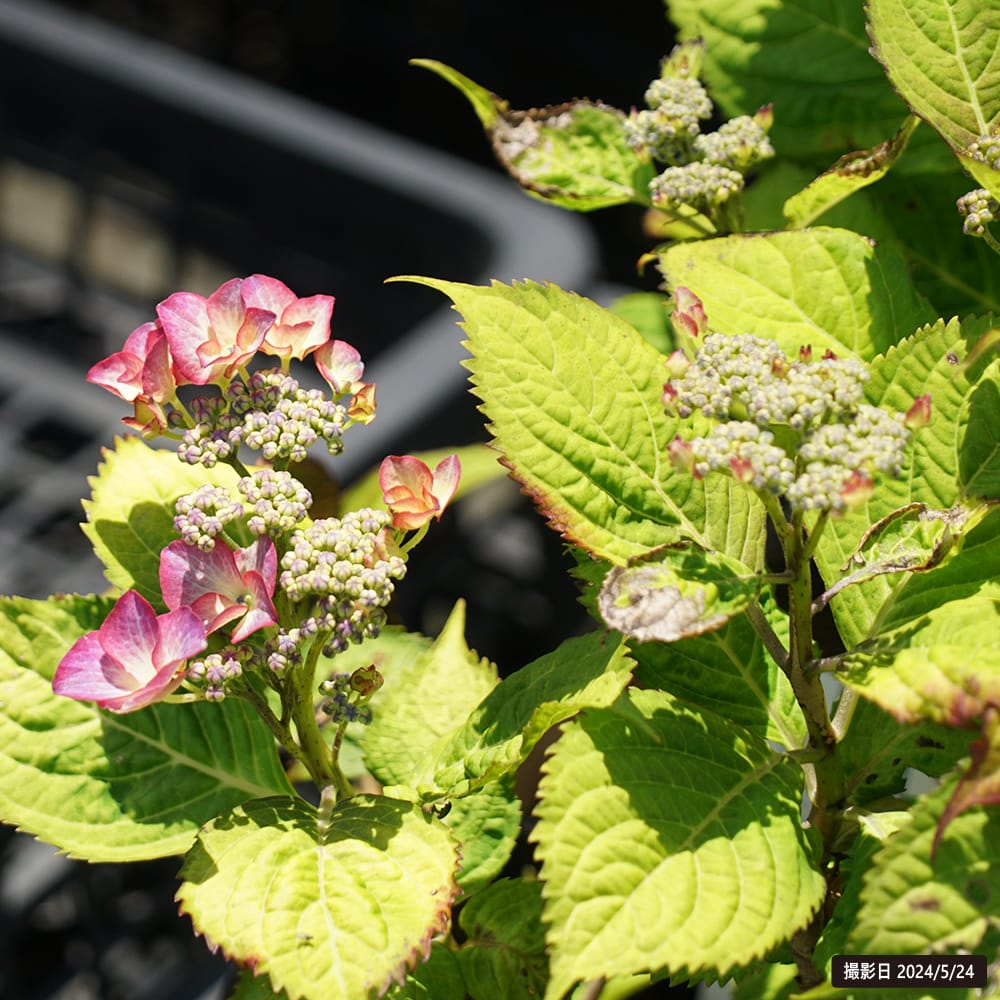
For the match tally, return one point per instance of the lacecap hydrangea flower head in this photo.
(252, 587)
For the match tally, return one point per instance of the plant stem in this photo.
(814, 536)
(826, 787)
(767, 635)
(279, 731)
(991, 241)
(323, 768)
(808, 687)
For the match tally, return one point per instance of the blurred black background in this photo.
(354, 57)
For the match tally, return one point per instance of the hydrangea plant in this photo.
(778, 478)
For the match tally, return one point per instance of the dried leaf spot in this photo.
(522, 131)
(514, 137)
(636, 602)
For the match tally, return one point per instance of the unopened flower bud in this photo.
(362, 406)
(677, 364)
(688, 317)
(669, 398)
(978, 208)
(681, 456)
(856, 490)
(742, 469)
(986, 149)
(919, 414)
(699, 185)
(764, 117)
(739, 144)
(366, 680)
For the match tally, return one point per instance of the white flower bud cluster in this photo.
(215, 435)
(344, 558)
(215, 673)
(268, 413)
(833, 441)
(744, 376)
(277, 500)
(874, 439)
(703, 170)
(283, 421)
(986, 148)
(819, 487)
(284, 650)
(202, 516)
(747, 452)
(978, 208)
(683, 93)
(667, 128)
(701, 186)
(739, 144)
(345, 567)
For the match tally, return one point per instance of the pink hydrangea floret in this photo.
(222, 585)
(211, 338)
(340, 364)
(134, 659)
(413, 493)
(300, 325)
(140, 373)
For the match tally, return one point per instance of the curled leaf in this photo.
(913, 538)
(573, 154)
(675, 592)
(852, 172)
(980, 784)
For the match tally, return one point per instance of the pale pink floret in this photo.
(211, 338)
(340, 364)
(134, 659)
(140, 373)
(413, 493)
(222, 585)
(301, 325)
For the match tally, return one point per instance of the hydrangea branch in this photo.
(301, 590)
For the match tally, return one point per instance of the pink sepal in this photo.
(142, 374)
(133, 659)
(221, 586)
(301, 325)
(413, 493)
(340, 364)
(210, 338)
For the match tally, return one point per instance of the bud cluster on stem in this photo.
(800, 434)
(798, 430)
(703, 171)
